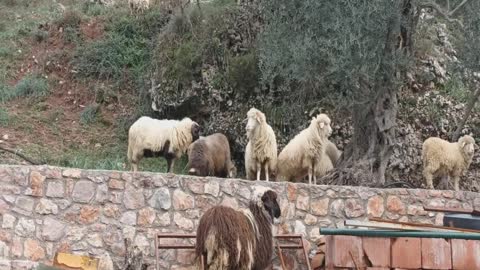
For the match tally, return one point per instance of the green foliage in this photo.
(313, 49)
(187, 63)
(70, 19)
(4, 117)
(31, 86)
(93, 9)
(243, 73)
(89, 115)
(125, 47)
(456, 88)
(40, 35)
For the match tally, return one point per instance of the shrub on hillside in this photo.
(243, 73)
(31, 86)
(125, 47)
(89, 114)
(70, 19)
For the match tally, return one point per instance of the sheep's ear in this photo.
(463, 144)
(322, 124)
(258, 117)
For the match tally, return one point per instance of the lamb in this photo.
(327, 162)
(230, 239)
(301, 154)
(138, 5)
(261, 149)
(149, 137)
(210, 156)
(442, 158)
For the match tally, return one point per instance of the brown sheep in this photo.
(238, 240)
(210, 156)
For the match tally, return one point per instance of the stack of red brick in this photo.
(374, 253)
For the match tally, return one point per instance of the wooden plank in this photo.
(384, 225)
(423, 225)
(451, 210)
(72, 261)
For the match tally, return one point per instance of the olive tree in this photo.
(358, 50)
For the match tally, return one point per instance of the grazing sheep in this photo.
(210, 156)
(300, 155)
(230, 239)
(443, 158)
(327, 162)
(138, 5)
(149, 137)
(261, 150)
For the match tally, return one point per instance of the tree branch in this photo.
(457, 8)
(29, 160)
(443, 13)
(468, 111)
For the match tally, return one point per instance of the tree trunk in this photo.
(366, 157)
(468, 111)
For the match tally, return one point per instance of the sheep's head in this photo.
(269, 199)
(254, 118)
(195, 129)
(467, 144)
(322, 123)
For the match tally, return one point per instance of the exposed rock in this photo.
(133, 199)
(182, 222)
(161, 199)
(46, 207)
(302, 202)
(354, 208)
(83, 191)
(146, 216)
(182, 200)
(88, 214)
(102, 193)
(72, 173)
(33, 250)
(36, 184)
(375, 206)
(319, 207)
(25, 227)
(116, 184)
(395, 205)
(56, 189)
(129, 218)
(8, 221)
(24, 205)
(212, 188)
(53, 230)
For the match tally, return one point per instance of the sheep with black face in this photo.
(230, 239)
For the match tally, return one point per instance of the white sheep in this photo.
(138, 5)
(300, 155)
(327, 162)
(149, 137)
(442, 158)
(261, 150)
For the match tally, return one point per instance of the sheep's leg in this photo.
(310, 175)
(259, 170)
(170, 164)
(134, 167)
(266, 171)
(429, 179)
(456, 181)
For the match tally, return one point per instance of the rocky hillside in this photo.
(102, 68)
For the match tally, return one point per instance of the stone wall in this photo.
(49, 209)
